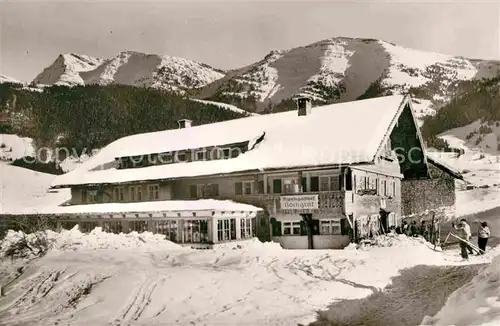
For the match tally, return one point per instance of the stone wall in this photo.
(427, 194)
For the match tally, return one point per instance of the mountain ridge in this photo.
(8, 79)
(343, 69)
(131, 68)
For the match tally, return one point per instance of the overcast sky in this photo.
(232, 34)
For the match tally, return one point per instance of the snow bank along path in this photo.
(476, 303)
(100, 278)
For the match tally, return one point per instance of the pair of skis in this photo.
(467, 242)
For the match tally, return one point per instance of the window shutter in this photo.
(344, 227)
(304, 184)
(314, 184)
(192, 191)
(238, 188)
(303, 228)
(260, 186)
(275, 227)
(277, 186)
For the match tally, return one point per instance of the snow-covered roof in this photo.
(344, 133)
(437, 161)
(140, 207)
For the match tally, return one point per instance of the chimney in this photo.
(304, 105)
(184, 123)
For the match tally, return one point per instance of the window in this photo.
(246, 228)
(201, 155)
(180, 157)
(207, 190)
(230, 152)
(329, 183)
(334, 182)
(118, 194)
(247, 187)
(92, 196)
(112, 227)
(244, 188)
(168, 228)
(165, 158)
(372, 183)
(235, 152)
(303, 183)
(216, 153)
(153, 192)
(225, 230)
(288, 186)
(330, 227)
(291, 228)
(388, 188)
(87, 226)
(394, 188)
(367, 182)
(139, 226)
(195, 231)
(376, 186)
(135, 193)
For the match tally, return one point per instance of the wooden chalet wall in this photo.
(405, 142)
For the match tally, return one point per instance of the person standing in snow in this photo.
(462, 233)
(414, 229)
(468, 234)
(406, 228)
(482, 236)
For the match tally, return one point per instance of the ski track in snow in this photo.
(216, 287)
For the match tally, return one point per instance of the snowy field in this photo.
(100, 278)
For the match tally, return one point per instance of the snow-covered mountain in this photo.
(66, 69)
(343, 69)
(7, 79)
(129, 68)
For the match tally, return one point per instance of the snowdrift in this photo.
(97, 278)
(476, 303)
(96, 239)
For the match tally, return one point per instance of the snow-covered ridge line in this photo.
(129, 68)
(341, 68)
(225, 106)
(7, 79)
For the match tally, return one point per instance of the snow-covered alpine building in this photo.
(315, 177)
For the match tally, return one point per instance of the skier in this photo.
(468, 234)
(482, 236)
(462, 233)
